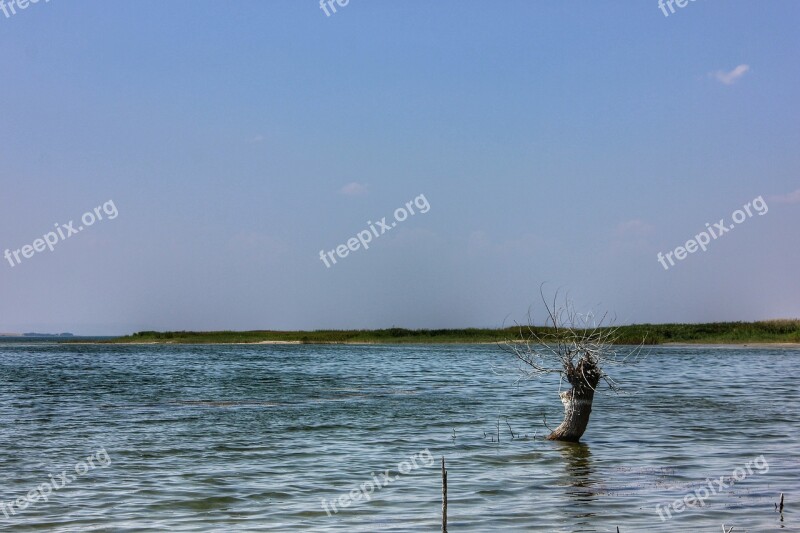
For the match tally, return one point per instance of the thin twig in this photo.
(510, 430)
(444, 498)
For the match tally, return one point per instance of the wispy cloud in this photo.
(354, 189)
(253, 244)
(788, 198)
(256, 139)
(480, 243)
(629, 236)
(635, 227)
(729, 78)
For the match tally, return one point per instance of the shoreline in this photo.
(773, 333)
(795, 345)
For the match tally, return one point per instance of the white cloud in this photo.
(354, 189)
(256, 139)
(729, 78)
(788, 198)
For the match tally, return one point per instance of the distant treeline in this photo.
(772, 331)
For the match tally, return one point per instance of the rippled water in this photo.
(252, 438)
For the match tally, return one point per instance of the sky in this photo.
(557, 143)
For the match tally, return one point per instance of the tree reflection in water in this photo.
(580, 483)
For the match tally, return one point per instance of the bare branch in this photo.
(567, 338)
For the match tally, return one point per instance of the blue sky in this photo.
(564, 143)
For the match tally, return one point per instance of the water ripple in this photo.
(252, 438)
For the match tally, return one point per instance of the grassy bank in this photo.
(773, 331)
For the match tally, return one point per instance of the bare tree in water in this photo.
(578, 348)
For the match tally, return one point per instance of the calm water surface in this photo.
(252, 438)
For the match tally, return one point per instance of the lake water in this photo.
(253, 438)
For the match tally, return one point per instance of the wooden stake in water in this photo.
(444, 498)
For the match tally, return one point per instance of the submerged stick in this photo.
(444, 498)
(511, 430)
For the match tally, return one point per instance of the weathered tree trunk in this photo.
(578, 400)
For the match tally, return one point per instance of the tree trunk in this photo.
(577, 401)
(577, 408)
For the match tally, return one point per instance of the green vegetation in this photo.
(772, 331)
